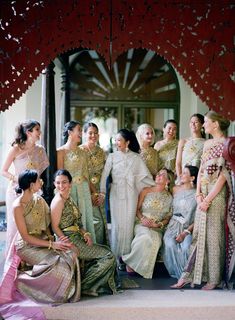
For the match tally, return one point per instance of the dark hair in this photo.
(170, 121)
(21, 130)
(25, 179)
(69, 126)
(130, 136)
(88, 125)
(200, 118)
(193, 172)
(214, 116)
(63, 172)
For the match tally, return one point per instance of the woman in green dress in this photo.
(167, 148)
(74, 159)
(98, 274)
(145, 135)
(96, 161)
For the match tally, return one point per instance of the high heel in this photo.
(180, 284)
(209, 286)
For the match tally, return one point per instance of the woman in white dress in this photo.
(129, 176)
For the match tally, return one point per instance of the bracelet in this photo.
(198, 195)
(86, 234)
(102, 194)
(50, 244)
(162, 225)
(208, 203)
(187, 231)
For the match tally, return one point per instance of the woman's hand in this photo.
(180, 238)
(199, 199)
(64, 239)
(204, 205)
(88, 239)
(95, 199)
(146, 222)
(61, 245)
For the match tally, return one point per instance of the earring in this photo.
(166, 187)
(192, 184)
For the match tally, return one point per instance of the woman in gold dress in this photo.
(51, 272)
(75, 160)
(98, 274)
(210, 252)
(167, 148)
(96, 161)
(145, 135)
(190, 149)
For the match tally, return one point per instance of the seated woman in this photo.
(100, 263)
(153, 213)
(177, 238)
(47, 262)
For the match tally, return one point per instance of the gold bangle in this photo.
(86, 234)
(198, 195)
(208, 203)
(50, 245)
(162, 225)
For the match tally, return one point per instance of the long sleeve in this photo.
(106, 172)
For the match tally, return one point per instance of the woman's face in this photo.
(195, 125)
(76, 134)
(185, 176)
(34, 135)
(147, 136)
(92, 135)
(121, 143)
(209, 125)
(162, 178)
(169, 132)
(62, 184)
(36, 186)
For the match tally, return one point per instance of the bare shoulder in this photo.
(57, 201)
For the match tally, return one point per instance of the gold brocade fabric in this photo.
(167, 155)
(150, 157)
(96, 160)
(71, 215)
(75, 161)
(192, 152)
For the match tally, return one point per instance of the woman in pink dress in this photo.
(24, 154)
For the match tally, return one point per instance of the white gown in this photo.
(129, 176)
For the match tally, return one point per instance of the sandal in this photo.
(180, 284)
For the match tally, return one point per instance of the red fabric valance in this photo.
(196, 37)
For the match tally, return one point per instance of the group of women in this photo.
(68, 245)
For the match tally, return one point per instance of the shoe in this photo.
(122, 267)
(209, 286)
(130, 271)
(180, 284)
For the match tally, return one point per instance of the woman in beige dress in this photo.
(96, 161)
(145, 135)
(153, 214)
(167, 148)
(190, 149)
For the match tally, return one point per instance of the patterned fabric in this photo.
(175, 255)
(208, 245)
(96, 161)
(147, 241)
(98, 275)
(44, 266)
(76, 162)
(192, 152)
(167, 155)
(150, 157)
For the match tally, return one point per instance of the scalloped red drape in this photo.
(196, 37)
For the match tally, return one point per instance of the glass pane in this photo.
(133, 117)
(106, 118)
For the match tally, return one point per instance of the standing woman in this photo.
(74, 159)
(52, 273)
(129, 176)
(24, 154)
(96, 160)
(190, 149)
(145, 135)
(167, 148)
(215, 209)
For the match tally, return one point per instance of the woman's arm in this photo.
(30, 239)
(178, 165)
(60, 159)
(57, 206)
(9, 159)
(205, 204)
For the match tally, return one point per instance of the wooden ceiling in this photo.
(136, 75)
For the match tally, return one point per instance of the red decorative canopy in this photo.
(196, 37)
